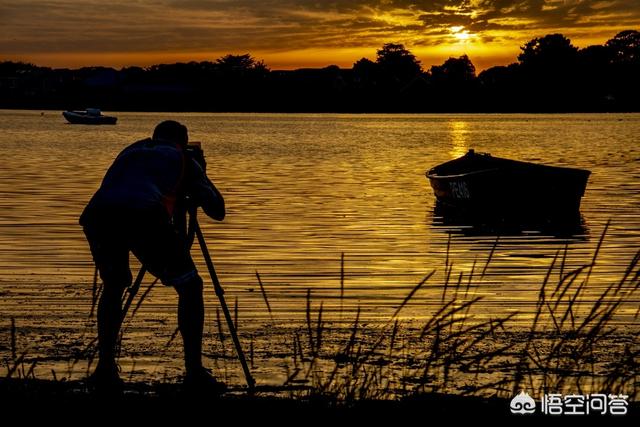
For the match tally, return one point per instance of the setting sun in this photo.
(460, 33)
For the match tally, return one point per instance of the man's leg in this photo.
(164, 252)
(112, 259)
(191, 322)
(180, 273)
(109, 323)
(166, 255)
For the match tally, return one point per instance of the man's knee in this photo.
(115, 279)
(190, 283)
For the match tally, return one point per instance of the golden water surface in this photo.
(301, 190)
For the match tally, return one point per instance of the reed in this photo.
(221, 335)
(264, 295)
(235, 313)
(13, 338)
(490, 257)
(453, 353)
(341, 284)
(451, 350)
(143, 297)
(309, 327)
(94, 292)
(576, 337)
(412, 293)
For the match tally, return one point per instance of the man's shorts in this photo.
(158, 246)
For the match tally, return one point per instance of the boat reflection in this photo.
(565, 225)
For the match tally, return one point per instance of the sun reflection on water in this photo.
(459, 136)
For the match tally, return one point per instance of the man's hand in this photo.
(194, 150)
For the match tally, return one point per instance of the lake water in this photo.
(302, 189)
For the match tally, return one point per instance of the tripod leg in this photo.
(220, 293)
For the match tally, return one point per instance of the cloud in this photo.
(130, 26)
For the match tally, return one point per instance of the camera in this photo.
(194, 151)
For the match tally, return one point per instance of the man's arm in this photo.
(204, 193)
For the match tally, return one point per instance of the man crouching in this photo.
(134, 211)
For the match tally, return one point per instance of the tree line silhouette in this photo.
(550, 75)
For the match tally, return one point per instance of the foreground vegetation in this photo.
(574, 343)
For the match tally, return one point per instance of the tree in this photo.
(366, 73)
(9, 68)
(241, 64)
(364, 66)
(397, 62)
(550, 74)
(454, 70)
(623, 79)
(547, 52)
(625, 46)
(454, 84)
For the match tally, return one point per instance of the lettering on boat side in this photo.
(459, 189)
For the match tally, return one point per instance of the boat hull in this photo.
(482, 183)
(79, 118)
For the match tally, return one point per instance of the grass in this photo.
(564, 349)
(453, 353)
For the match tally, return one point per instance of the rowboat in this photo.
(480, 182)
(90, 116)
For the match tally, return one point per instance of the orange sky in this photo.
(295, 33)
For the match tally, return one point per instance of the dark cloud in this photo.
(483, 15)
(30, 26)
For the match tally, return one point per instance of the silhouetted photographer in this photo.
(140, 207)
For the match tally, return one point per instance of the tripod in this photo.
(194, 230)
(220, 293)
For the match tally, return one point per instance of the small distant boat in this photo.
(90, 116)
(479, 182)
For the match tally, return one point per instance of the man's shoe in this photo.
(202, 381)
(106, 381)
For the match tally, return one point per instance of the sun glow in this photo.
(460, 34)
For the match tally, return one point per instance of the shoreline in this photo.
(341, 113)
(142, 401)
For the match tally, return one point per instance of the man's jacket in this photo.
(147, 180)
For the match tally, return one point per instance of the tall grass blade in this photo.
(94, 292)
(264, 295)
(172, 337)
(393, 337)
(13, 338)
(143, 297)
(235, 313)
(309, 328)
(490, 257)
(412, 293)
(319, 329)
(219, 322)
(446, 257)
(597, 251)
(473, 269)
(341, 284)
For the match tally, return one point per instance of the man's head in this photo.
(172, 131)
